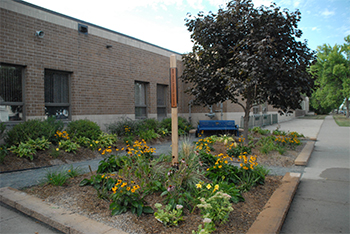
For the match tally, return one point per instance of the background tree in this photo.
(249, 56)
(332, 70)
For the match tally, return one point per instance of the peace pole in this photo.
(174, 118)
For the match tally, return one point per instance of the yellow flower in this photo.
(57, 149)
(132, 190)
(68, 170)
(199, 185)
(123, 184)
(226, 161)
(220, 166)
(128, 188)
(208, 186)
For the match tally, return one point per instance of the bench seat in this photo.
(217, 125)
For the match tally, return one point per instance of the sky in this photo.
(162, 22)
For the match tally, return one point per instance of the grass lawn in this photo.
(341, 120)
(313, 117)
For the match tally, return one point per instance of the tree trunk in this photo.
(347, 107)
(246, 121)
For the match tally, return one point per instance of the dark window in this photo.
(11, 93)
(57, 101)
(140, 100)
(161, 102)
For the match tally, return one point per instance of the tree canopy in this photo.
(332, 71)
(249, 56)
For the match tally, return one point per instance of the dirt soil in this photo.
(84, 200)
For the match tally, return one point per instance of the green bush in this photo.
(124, 127)
(149, 124)
(184, 125)
(33, 129)
(84, 128)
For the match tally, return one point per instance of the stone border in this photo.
(61, 219)
(271, 219)
(305, 154)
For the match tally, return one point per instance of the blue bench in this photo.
(217, 125)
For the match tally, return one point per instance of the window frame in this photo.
(165, 106)
(145, 106)
(22, 103)
(60, 104)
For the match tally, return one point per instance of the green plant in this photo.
(28, 149)
(163, 132)
(261, 131)
(112, 163)
(250, 173)
(126, 196)
(217, 207)
(183, 125)
(68, 146)
(3, 153)
(169, 216)
(207, 228)
(149, 124)
(148, 135)
(33, 129)
(236, 149)
(106, 140)
(74, 172)
(55, 152)
(57, 177)
(84, 128)
(124, 127)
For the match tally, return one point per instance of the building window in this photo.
(11, 93)
(161, 102)
(57, 101)
(140, 100)
(256, 110)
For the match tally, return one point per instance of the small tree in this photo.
(249, 56)
(332, 71)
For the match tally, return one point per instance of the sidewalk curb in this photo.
(271, 219)
(61, 219)
(305, 154)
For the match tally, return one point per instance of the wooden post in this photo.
(174, 114)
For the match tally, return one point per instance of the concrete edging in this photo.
(271, 219)
(305, 154)
(61, 219)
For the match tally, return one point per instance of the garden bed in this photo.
(84, 201)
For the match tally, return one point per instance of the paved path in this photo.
(321, 203)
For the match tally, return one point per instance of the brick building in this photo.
(53, 64)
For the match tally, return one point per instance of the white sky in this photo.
(161, 22)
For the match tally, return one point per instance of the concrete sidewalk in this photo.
(321, 203)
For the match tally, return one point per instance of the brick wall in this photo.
(102, 79)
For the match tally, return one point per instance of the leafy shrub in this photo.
(183, 125)
(148, 135)
(28, 149)
(260, 131)
(112, 163)
(60, 177)
(69, 146)
(168, 215)
(33, 129)
(149, 124)
(84, 128)
(124, 127)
